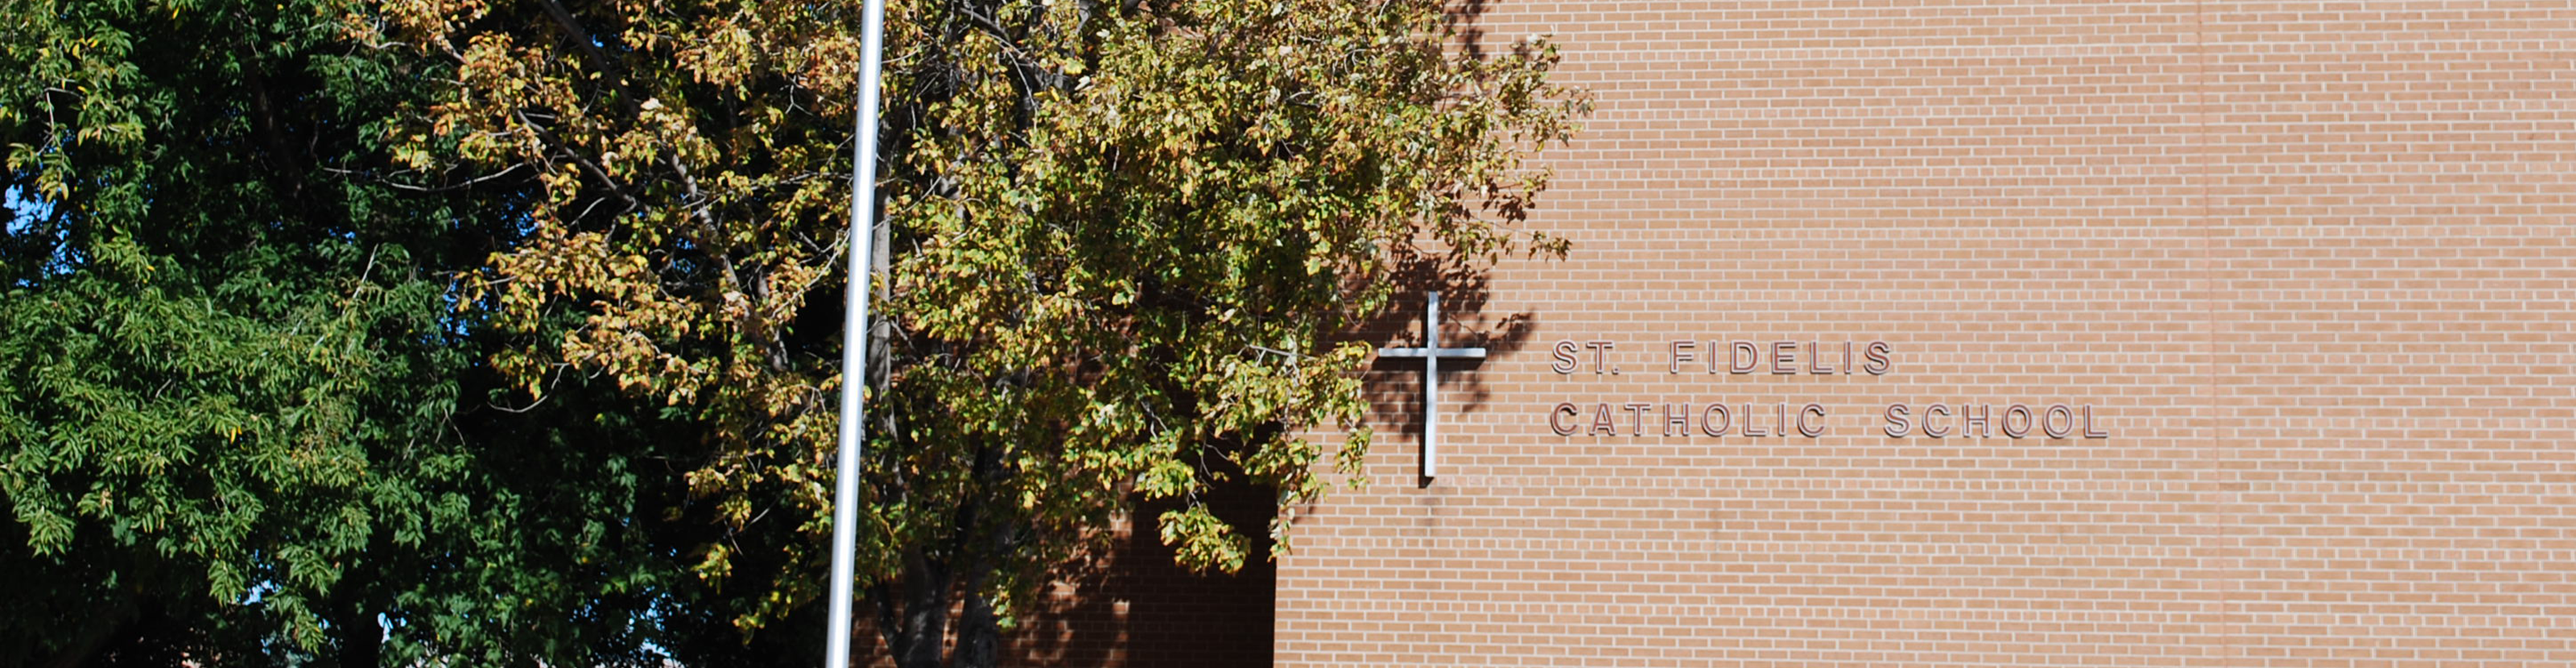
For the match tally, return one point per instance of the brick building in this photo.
(2299, 274)
(2308, 263)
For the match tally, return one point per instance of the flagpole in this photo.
(855, 335)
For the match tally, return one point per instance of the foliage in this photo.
(450, 331)
(1124, 242)
(230, 377)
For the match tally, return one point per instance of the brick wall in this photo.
(2309, 261)
(1132, 607)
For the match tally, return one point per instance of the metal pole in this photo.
(855, 335)
(1431, 386)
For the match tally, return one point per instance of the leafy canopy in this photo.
(240, 419)
(1126, 240)
(270, 288)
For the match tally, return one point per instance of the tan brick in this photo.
(2310, 260)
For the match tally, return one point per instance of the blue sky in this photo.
(21, 211)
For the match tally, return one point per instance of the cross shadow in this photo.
(1464, 293)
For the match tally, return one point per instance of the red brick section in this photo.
(1132, 607)
(2309, 261)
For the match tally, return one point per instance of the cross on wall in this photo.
(1431, 355)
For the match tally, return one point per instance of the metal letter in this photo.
(2048, 422)
(1743, 358)
(1559, 425)
(1637, 418)
(1982, 420)
(1715, 419)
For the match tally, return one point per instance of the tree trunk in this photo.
(979, 633)
(922, 621)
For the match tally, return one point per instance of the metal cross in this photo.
(1431, 379)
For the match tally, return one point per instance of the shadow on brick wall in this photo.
(1134, 608)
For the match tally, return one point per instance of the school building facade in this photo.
(1997, 333)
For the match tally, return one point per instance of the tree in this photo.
(1124, 246)
(240, 421)
(1126, 240)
